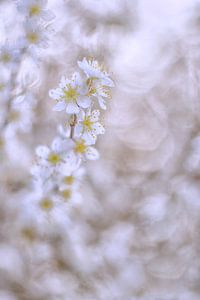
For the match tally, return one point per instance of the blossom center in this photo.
(32, 37)
(70, 94)
(5, 57)
(2, 87)
(80, 147)
(14, 116)
(34, 10)
(69, 179)
(91, 88)
(54, 158)
(88, 123)
(46, 204)
(66, 193)
(28, 233)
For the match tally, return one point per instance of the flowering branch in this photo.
(56, 172)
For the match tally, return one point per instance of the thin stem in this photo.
(72, 125)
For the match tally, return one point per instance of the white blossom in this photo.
(70, 95)
(51, 159)
(35, 9)
(98, 81)
(36, 36)
(95, 71)
(88, 125)
(83, 149)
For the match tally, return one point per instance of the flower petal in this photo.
(84, 102)
(107, 82)
(72, 108)
(89, 138)
(42, 151)
(102, 103)
(98, 128)
(47, 15)
(95, 115)
(59, 106)
(55, 93)
(91, 153)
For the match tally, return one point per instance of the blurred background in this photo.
(135, 233)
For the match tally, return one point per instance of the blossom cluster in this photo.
(17, 61)
(58, 168)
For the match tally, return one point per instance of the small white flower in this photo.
(36, 36)
(70, 95)
(98, 82)
(20, 117)
(44, 207)
(83, 149)
(71, 176)
(95, 71)
(8, 55)
(52, 160)
(35, 9)
(89, 126)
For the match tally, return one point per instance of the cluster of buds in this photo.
(58, 168)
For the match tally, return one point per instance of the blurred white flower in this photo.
(35, 9)
(70, 95)
(20, 117)
(36, 36)
(50, 160)
(9, 55)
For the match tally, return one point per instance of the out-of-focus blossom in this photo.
(35, 9)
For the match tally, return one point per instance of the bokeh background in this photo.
(135, 234)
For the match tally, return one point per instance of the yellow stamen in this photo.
(70, 94)
(69, 179)
(66, 194)
(2, 87)
(1, 143)
(46, 204)
(87, 123)
(14, 116)
(28, 233)
(34, 10)
(54, 158)
(5, 57)
(32, 37)
(80, 146)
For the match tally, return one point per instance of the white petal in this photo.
(98, 128)
(77, 80)
(95, 115)
(83, 64)
(42, 151)
(78, 130)
(47, 15)
(56, 144)
(91, 153)
(55, 93)
(60, 145)
(84, 102)
(102, 103)
(89, 138)
(107, 82)
(59, 106)
(72, 108)
(81, 116)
